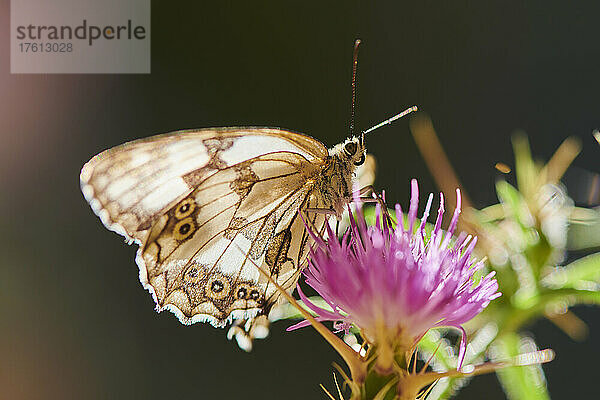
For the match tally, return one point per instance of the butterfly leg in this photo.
(325, 211)
(365, 194)
(368, 200)
(375, 198)
(368, 194)
(366, 190)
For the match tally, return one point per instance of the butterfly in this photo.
(208, 206)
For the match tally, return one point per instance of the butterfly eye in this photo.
(361, 161)
(350, 148)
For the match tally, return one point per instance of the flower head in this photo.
(395, 284)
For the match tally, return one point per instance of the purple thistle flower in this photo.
(395, 284)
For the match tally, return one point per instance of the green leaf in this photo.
(490, 214)
(525, 168)
(443, 360)
(584, 231)
(444, 357)
(514, 204)
(574, 296)
(579, 273)
(520, 383)
(288, 311)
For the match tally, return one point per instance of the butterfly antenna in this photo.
(354, 66)
(391, 119)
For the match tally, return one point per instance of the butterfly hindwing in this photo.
(240, 216)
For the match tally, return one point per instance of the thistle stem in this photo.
(358, 368)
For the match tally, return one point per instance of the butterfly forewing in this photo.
(206, 206)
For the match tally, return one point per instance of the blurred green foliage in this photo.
(525, 238)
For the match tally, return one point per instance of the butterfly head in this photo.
(353, 150)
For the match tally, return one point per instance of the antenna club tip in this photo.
(357, 42)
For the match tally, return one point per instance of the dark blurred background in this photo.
(75, 321)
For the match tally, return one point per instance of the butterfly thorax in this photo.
(336, 182)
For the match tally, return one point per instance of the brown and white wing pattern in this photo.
(207, 205)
